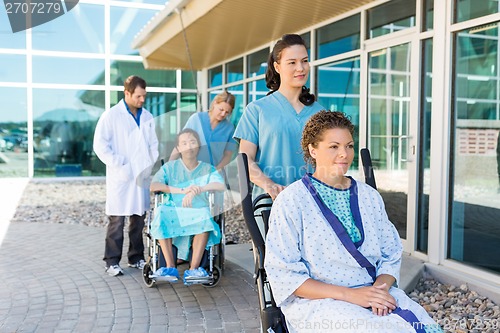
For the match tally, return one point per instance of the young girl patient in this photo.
(184, 219)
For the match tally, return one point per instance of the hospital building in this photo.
(420, 79)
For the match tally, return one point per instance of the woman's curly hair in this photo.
(316, 127)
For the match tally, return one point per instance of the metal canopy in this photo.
(217, 30)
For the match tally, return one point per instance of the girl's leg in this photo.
(166, 248)
(199, 244)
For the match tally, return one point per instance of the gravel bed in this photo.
(456, 308)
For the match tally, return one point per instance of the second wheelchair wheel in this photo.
(146, 270)
(217, 275)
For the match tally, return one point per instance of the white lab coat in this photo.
(129, 153)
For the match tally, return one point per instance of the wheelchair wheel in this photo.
(146, 270)
(217, 275)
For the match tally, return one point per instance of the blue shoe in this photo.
(202, 272)
(197, 275)
(169, 274)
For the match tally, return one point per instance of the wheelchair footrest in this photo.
(163, 278)
(198, 280)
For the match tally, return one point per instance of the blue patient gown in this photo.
(301, 244)
(171, 220)
(273, 125)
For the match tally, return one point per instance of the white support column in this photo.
(440, 132)
(29, 102)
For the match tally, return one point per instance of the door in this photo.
(391, 133)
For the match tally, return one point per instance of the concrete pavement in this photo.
(53, 280)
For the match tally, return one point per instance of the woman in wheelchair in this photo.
(184, 219)
(332, 255)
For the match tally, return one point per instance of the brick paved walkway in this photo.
(52, 279)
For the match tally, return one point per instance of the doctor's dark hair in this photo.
(188, 131)
(316, 127)
(132, 82)
(273, 79)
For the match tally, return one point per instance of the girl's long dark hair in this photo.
(273, 79)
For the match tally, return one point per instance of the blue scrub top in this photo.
(276, 128)
(214, 142)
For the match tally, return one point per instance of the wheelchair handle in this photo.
(259, 198)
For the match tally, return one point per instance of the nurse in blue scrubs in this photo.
(270, 129)
(215, 131)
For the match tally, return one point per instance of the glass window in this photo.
(389, 127)
(338, 86)
(338, 37)
(189, 79)
(239, 106)
(15, 71)
(473, 232)
(425, 148)
(84, 23)
(188, 106)
(476, 82)
(307, 40)
(68, 70)
(215, 76)
(63, 128)
(391, 17)
(125, 23)
(13, 133)
(428, 21)
(120, 70)
(257, 63)
(234, 70)
(256, 90)
(469, 9)
(8, 39)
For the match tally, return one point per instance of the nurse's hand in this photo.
(274, 189)
(187, 201)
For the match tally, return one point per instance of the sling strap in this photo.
(337, 226)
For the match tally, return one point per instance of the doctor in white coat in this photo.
(125, 140)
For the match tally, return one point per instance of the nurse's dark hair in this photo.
(316, 127)
(273, 79)
(188, 131)
(132, 82)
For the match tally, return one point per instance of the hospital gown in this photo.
(301, 244)
(171, 220)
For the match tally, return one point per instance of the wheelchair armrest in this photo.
(263, 197)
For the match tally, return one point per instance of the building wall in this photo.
(57, 78)
(419, 78)
(421, 83)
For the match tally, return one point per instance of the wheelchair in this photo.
(213, 258)
(272, 319)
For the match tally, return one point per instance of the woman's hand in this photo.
(195, 189)
(187, 201)
(376, 297)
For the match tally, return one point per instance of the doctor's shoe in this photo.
(139, 265)
(114, 270)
